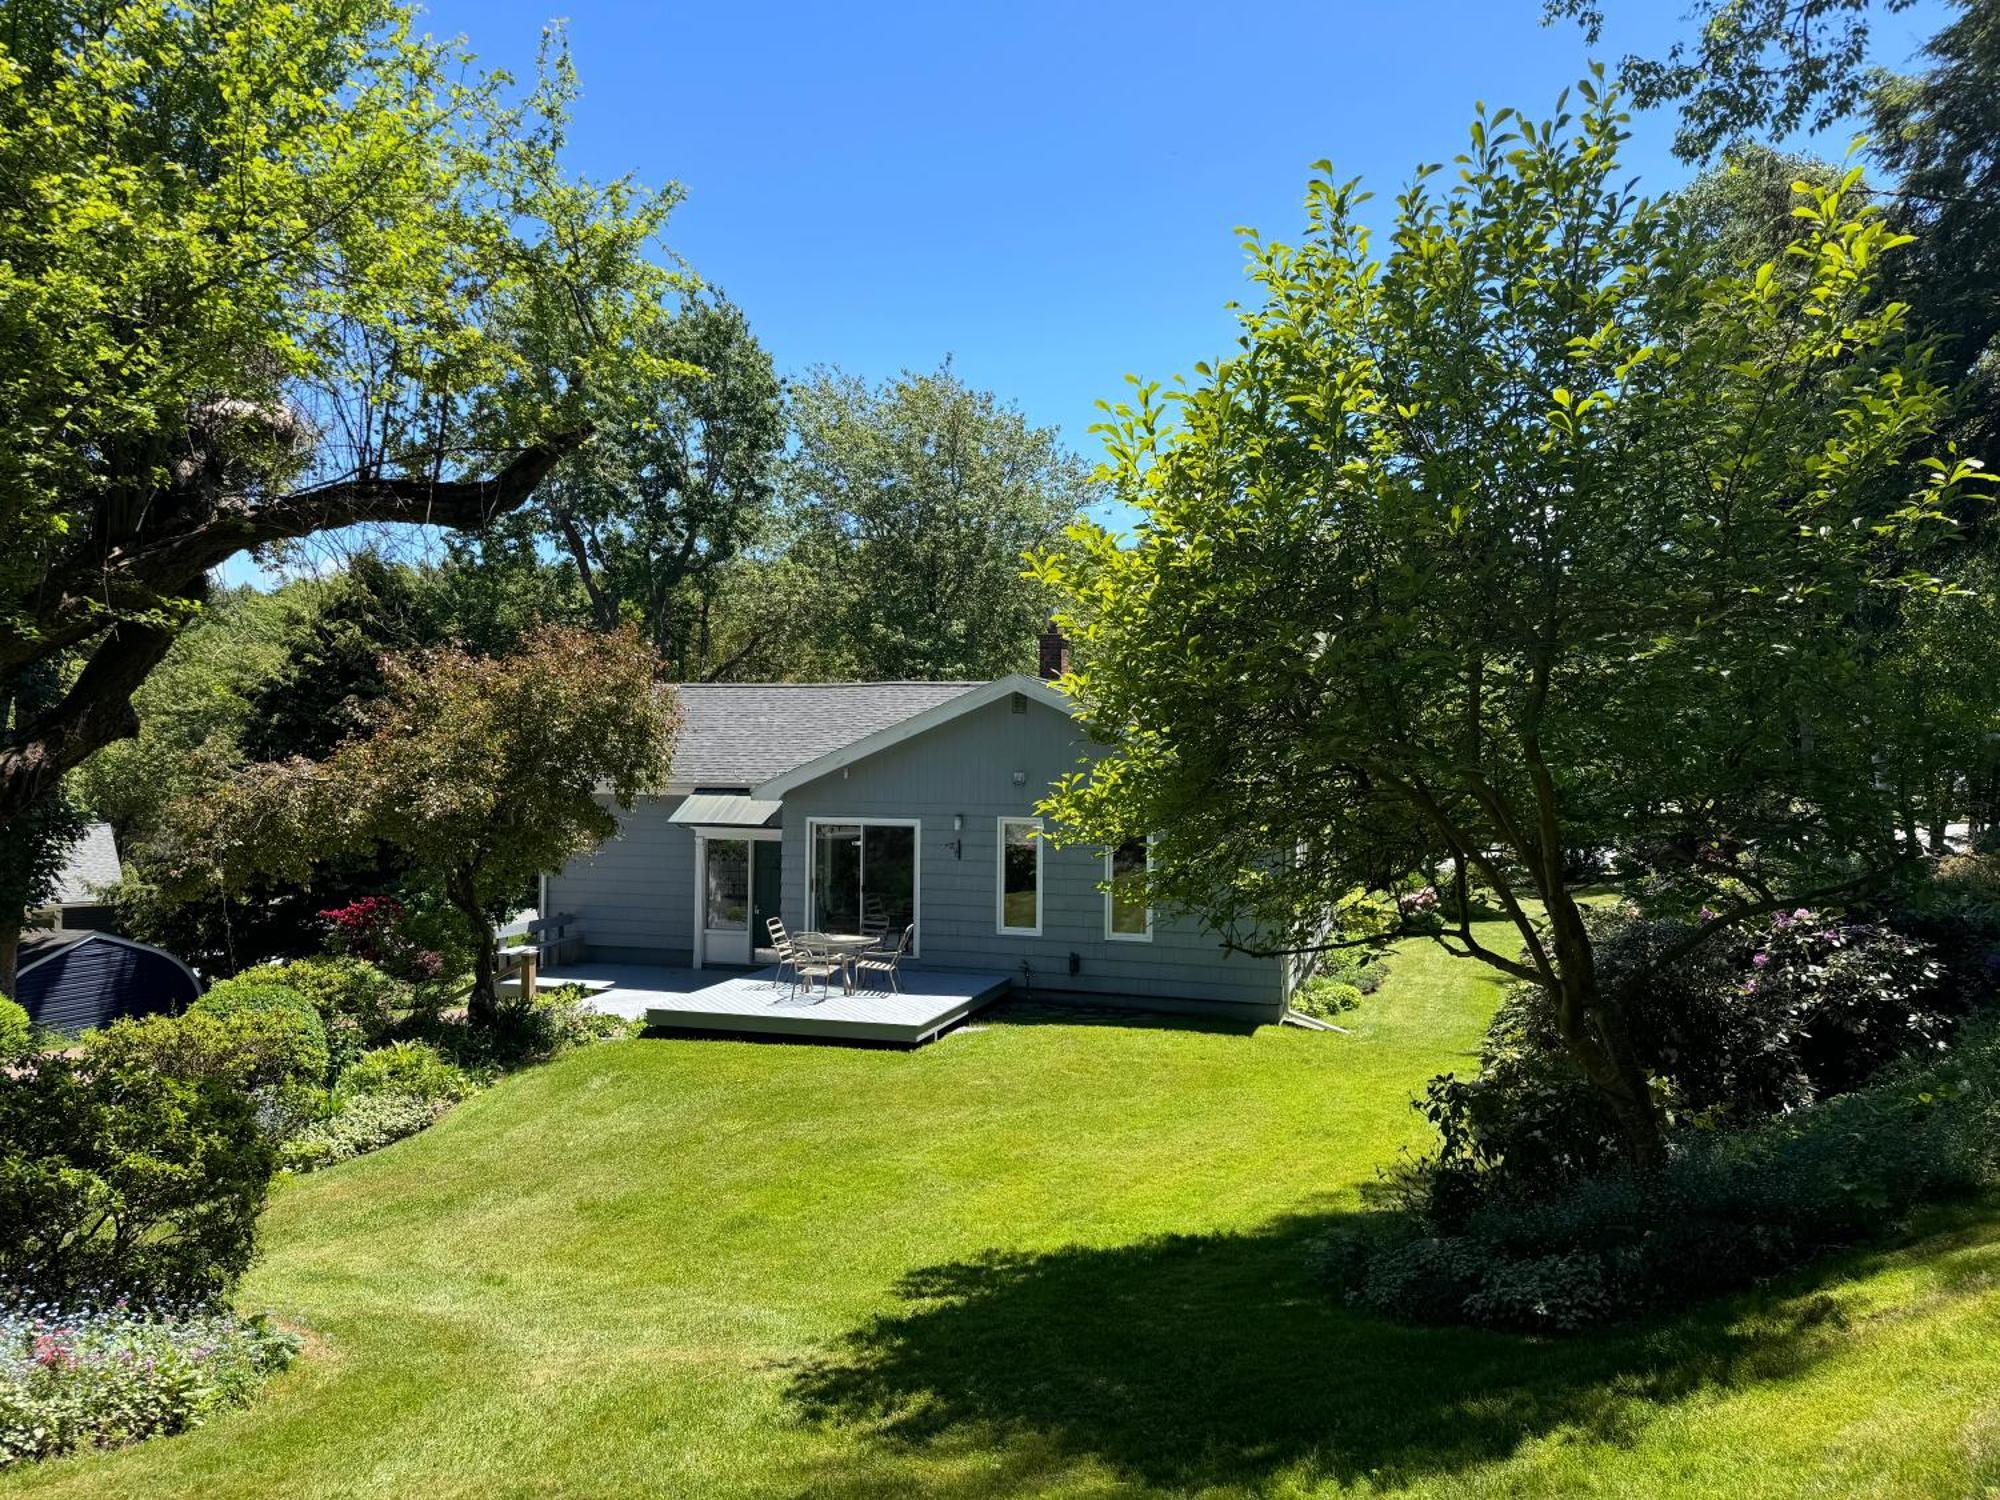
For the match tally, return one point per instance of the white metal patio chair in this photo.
(787, 949)
(884, 961)
(810, 962)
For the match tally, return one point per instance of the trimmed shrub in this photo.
(284, 1008)
(135, 1165)
(361, 1123)
(339, 988)
(17, 1032)
(414, 1068)
(81, 1378)
(356, 1001)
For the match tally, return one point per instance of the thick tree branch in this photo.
(141, 578)
(137, 577)
(96, 711)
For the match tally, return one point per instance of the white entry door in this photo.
(725, 901)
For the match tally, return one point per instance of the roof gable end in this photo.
(1035, 689)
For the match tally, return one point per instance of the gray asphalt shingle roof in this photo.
(739, 734)
(92, 862)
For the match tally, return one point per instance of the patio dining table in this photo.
(845, 947)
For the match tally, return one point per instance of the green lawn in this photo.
(1040, 1257)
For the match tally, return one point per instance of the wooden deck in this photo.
(758, 1003)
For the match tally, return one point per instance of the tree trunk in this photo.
(10, 952)
(1593, 1027)
(482, 1006)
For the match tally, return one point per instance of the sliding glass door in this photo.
(864, 877)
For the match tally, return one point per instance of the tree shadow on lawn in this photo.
(1189, 1361)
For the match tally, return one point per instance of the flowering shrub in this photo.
(73, 1379)
(378, 930)
(1728, 1208)
(1782, 1014)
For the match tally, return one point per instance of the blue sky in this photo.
(1045, 192)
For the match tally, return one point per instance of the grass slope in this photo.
(1042, 1257)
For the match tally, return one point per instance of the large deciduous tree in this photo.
(1535, 533)
(1769, 67)
(268, 269)
(680, 481)
(915, 503)
(481, 771)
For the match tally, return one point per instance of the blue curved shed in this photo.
(71, 981)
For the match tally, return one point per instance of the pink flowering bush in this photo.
(75, 1378)
(1754, 1024)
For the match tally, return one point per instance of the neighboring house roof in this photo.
(93, 862)
(738, 735)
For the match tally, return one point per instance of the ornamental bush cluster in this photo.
(80, 1377)
(1798, 1008)
(1730, 1207)
(1817, 1077)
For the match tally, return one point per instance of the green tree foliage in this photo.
(1773, 65)
(482, 772)
(1754, 66)
(916, 502)
(269, 269)
(1534, 534)
(1936, 134)
(679, 483)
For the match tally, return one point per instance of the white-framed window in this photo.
(1127, 917)
(1017, 878)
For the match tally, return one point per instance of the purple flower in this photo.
(1760, 959)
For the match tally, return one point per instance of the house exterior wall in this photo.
(965, 769)
(633, 896)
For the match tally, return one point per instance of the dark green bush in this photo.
(139, 1165)
(1789, 1012)
(1730, 1207)
(560, 1018)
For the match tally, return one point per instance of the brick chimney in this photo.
(1055, 650)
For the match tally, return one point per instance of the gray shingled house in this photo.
(837, 805)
